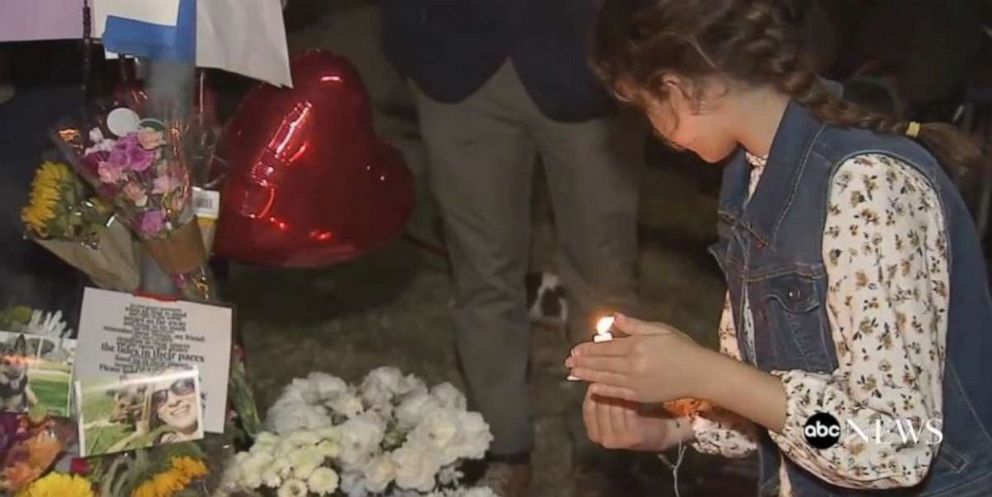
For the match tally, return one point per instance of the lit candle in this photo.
(603, 327)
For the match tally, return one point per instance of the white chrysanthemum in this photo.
(415, 469)
(346, 404)
(323, 481)
(360, 436)
(379, 473)
(304, 461)
(329, 449)
(255, 462)
(388, 377)
(326, 386)
(265, 441)
(412, 410)
(303, 438)
(474, 437)
(436, 433)
(353, 484)
(331, 433)
(271, 477)
(299, 390)
(478, 492)
(449, 396)
(282, 466)
(450, 475)
(289, 416)
(376, 396)
(293, 488)
(411, 385)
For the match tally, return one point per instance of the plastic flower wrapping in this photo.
(141, 166)
(64, 216)
(390, 435)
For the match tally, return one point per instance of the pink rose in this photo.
(165, 184)
(109, 173)
(150, 139)
(136, 194)
(152, 223)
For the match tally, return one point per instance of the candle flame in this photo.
(604, 324)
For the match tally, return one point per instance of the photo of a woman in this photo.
(175, 404)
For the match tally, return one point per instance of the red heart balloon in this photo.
(307, 181)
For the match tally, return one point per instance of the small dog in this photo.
(129, 405)
(546, 302)
(15, 391)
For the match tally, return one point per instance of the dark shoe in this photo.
(507, 480)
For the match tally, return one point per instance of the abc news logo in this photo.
(823, 431)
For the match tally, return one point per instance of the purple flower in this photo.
(152, 223)
(128, 154)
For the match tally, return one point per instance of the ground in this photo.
(392, 307)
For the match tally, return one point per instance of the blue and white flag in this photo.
(242, 36)
(154, 29)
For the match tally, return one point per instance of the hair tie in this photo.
(913, 129)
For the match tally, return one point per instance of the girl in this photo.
(857, 289)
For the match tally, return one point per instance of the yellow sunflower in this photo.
(58, 485)
(46, 192)
(174, 480)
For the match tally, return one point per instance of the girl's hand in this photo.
(653, 363)
(620, 424)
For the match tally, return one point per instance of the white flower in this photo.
(387, 377)
(450, 475)
(329, 449)
(361, 435)
(323, 481)
(353, 484)
(346, 404)
(265, 440)
(304, 461)
(479, 492)
(413, 409)
(437, 432)
(449, 396)
(474, 437)
(303, 438)
(255, 463)
(330, 433)
(271, 477)
(411, 385)
(325, 385)
(415, 469)
(293, 488)
(289, 416)
(299, 390)
(379, 473)
(376, 396)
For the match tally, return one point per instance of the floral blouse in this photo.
(886, 259)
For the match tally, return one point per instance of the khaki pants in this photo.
(481, 156)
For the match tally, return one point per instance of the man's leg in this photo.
(480, 166)
(594, 170)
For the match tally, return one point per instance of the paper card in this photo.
(243, 36)
(35, 373)
(138, 411)
(161, 12)
(121, 334)
(25, 20)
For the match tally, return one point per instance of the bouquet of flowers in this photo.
(138, 165)
(390, 435)
(29, 448)
(66, 219)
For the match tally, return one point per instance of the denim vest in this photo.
(770, 247)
